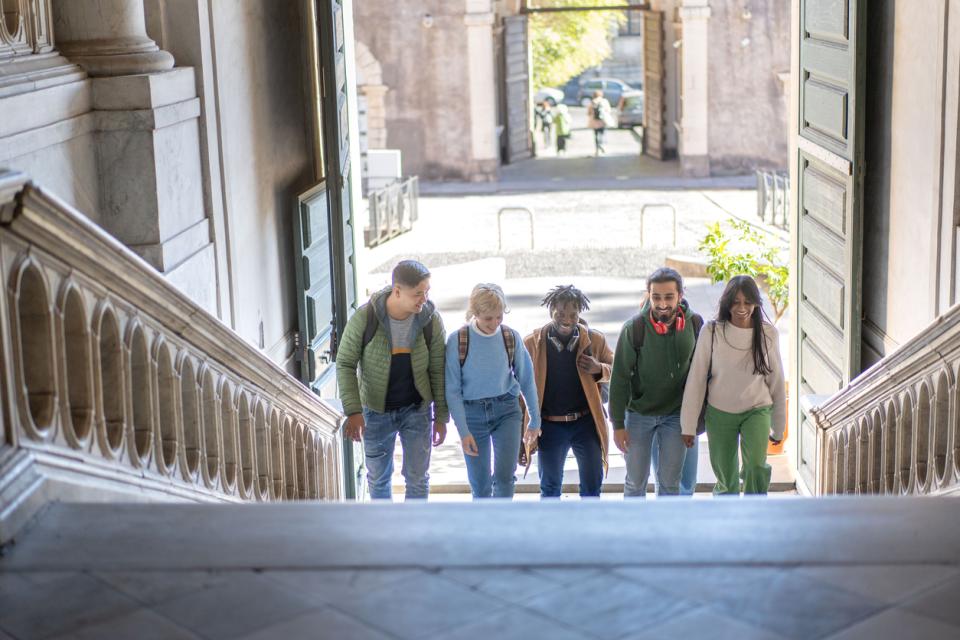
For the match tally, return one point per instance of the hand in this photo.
(622, 439)
(530, 437)
(439, 433)
(589, 364)
(469, 446)
(689, 440)
(354, 427)
(772, 441)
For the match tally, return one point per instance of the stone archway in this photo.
(371, 92)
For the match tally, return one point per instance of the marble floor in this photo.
(741, 568)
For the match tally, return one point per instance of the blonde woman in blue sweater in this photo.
(487, 368)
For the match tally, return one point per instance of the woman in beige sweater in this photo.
(737, 371)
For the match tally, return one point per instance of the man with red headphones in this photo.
(650, 368)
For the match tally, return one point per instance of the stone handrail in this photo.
(894, 430)
(116, 384)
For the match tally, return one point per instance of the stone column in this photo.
(107, 37)
(482, 96)
(694, 140)
(146, 116)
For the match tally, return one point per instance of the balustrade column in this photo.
(107, 37)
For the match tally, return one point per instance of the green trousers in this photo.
(750, 430)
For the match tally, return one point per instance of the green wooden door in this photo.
(829, 209)
(326, 273)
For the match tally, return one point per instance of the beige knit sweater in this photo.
(734, 387)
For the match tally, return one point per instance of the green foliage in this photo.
(566, 43)
(745, 251)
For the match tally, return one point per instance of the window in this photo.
(633, 26)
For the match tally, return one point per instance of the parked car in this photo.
(611, 87)
(551, 95)
(630, 109)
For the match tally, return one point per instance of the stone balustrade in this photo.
(116, 384)
(895, 430)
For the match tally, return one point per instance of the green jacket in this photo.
(651, 385)
(370, 390)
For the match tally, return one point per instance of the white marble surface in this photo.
(759, 569)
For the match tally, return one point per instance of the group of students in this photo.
(673, 376)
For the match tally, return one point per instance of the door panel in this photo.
(829, 209)
(517, 78)
(654, 86)
(315, 285)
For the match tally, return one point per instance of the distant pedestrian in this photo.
(570, 362)
(487, 369)
(562, 125)
(545, 114)
(738, 372)
(599, 118)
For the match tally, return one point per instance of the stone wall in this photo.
(267, 161)
(440, 106)
(911, 133)
(749, 53)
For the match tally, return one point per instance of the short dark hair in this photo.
(566, 294)
(409, 273)
(666, 274)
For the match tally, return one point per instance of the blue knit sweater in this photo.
(486, 374)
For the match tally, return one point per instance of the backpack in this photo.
(600, 109)
(509, 343)
(370, 329)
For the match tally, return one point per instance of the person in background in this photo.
(598, 119)
(563, 126)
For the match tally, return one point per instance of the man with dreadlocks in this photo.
(570, 362)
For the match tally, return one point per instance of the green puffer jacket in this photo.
(371, 390)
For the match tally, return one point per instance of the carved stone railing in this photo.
(895, 430)
(116, 386)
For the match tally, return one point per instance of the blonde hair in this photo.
(486, 296)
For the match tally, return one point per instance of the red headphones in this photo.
(662, 328)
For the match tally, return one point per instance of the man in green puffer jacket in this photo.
(401, 376)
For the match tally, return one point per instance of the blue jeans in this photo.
(643, 431)
(556, 440)
(379, 439)
(688, 475)
(495, 420)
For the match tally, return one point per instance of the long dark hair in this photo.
(751, 292)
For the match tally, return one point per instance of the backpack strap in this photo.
(697, 320)
(463, 342)
(639, 331)
(428, 332)
(509, 343)
(370, 328)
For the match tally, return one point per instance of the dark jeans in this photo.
(556, 440)
(598, 139)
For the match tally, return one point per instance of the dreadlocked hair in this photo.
(564, 294)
